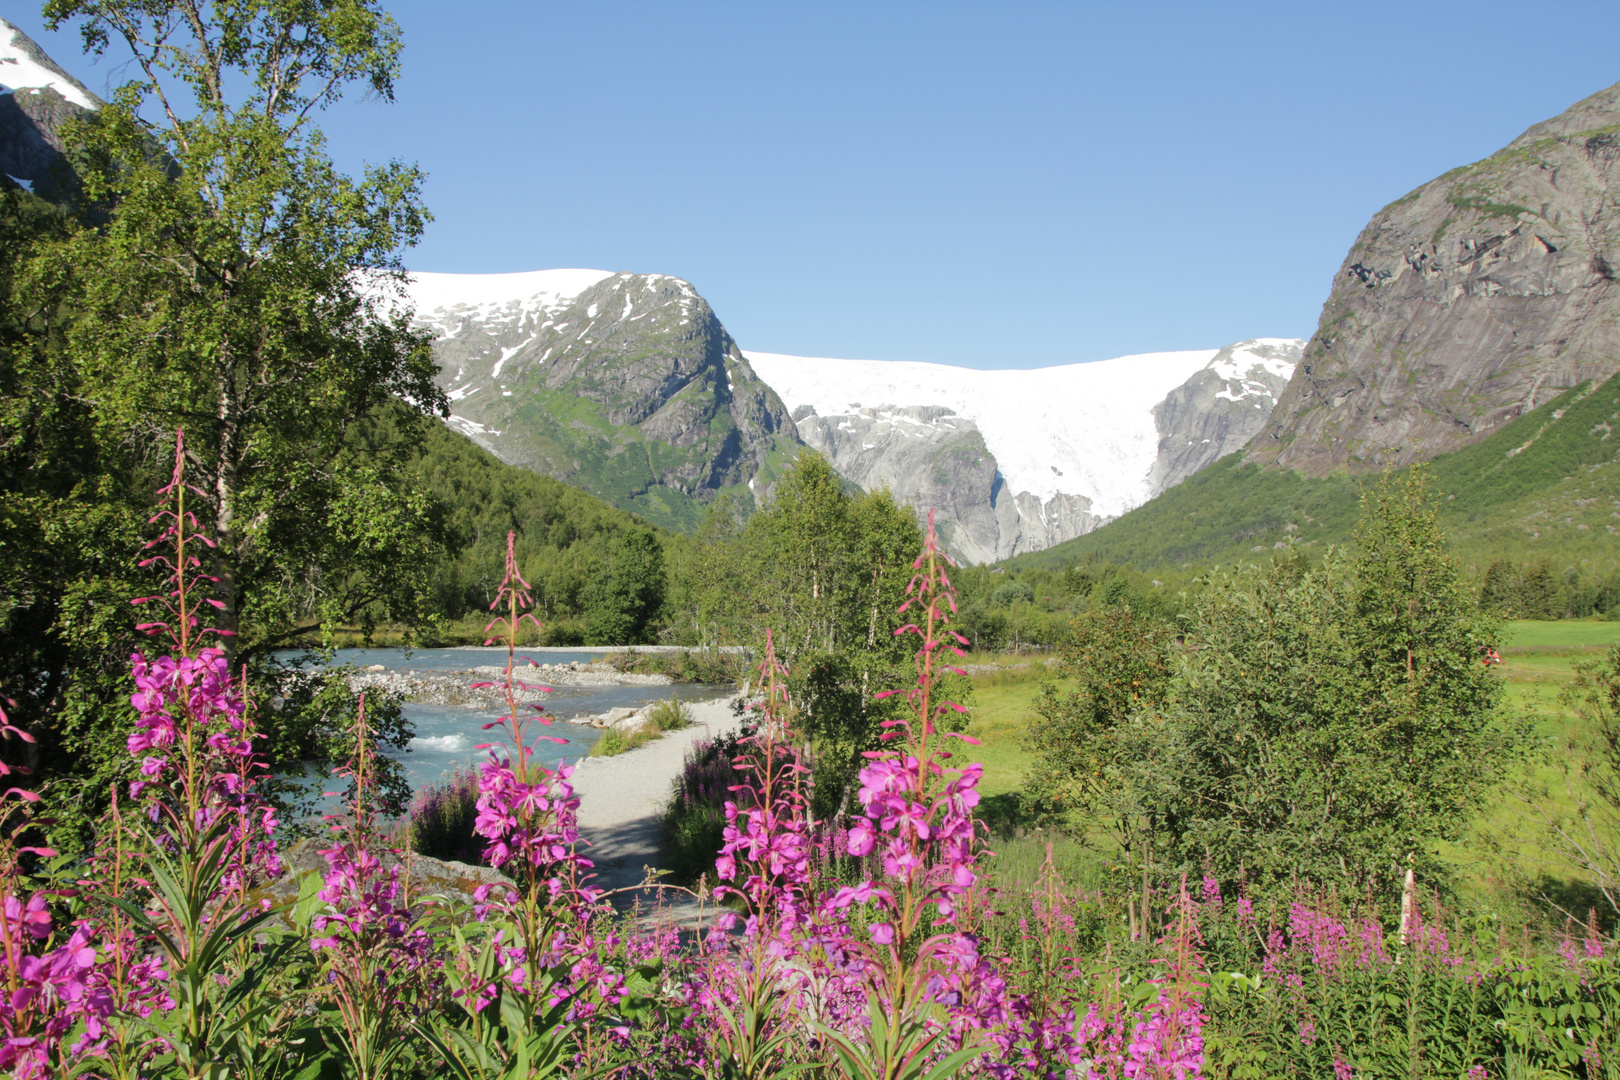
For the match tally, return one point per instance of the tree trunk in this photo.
(1408, 900)
(1147, 877)
(227, 485)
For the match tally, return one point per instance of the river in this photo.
(446, 735)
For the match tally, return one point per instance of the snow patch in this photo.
(1237, 368)
(19, 71)
(506, 354)
(1244, 359)
(537, 292)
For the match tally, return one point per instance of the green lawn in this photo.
(1562, 634)
(1000, 712)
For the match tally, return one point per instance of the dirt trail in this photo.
(621, 803)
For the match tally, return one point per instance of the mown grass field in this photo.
(1501, 854)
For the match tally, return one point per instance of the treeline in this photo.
(1004, 611)
(1536, 590)
(598, 572)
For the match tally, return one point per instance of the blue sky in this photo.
(1007, 184)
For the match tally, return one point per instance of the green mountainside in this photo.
(1544, 487)
(625, 385)
(567, 539)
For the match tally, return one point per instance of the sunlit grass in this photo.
(999, 716)
(1562, 634)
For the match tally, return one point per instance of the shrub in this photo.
(614, 742)
(669, 715)
(695, 816)
(687, 666)
(440, 825)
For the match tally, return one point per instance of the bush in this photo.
(687, 666)
(614, 742)
(695, 815)
(441, 819)
(669, 715)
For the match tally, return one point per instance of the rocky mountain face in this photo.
(1219, 409)
(1465, 304)
(929, 456)
(36, 98)
(628, 386)
(625, 385)
(1018, 461)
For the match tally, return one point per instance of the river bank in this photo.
(482, 686)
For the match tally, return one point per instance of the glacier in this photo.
(1077, 429)
(1018, 460)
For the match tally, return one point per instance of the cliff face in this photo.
(1465, 304)
(930, 457)
(36, 98)
(625, 385)
(1220, 408)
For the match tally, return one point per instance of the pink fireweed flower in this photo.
(919, 817)
(196, 697)
(51, 992)
(1169, 1042)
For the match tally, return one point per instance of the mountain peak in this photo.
(626, 385)
(1589, 116)
(436, 294)
(1465, 304)
(25, 67)
(36, 98)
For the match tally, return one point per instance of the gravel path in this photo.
(621, 802)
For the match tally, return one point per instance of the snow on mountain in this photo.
(1078, 429)
(37, 97)
(1020, 460)
(1012, 460)
(625, 385)
(1221, 408)
(21, 68)
(449, 300)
